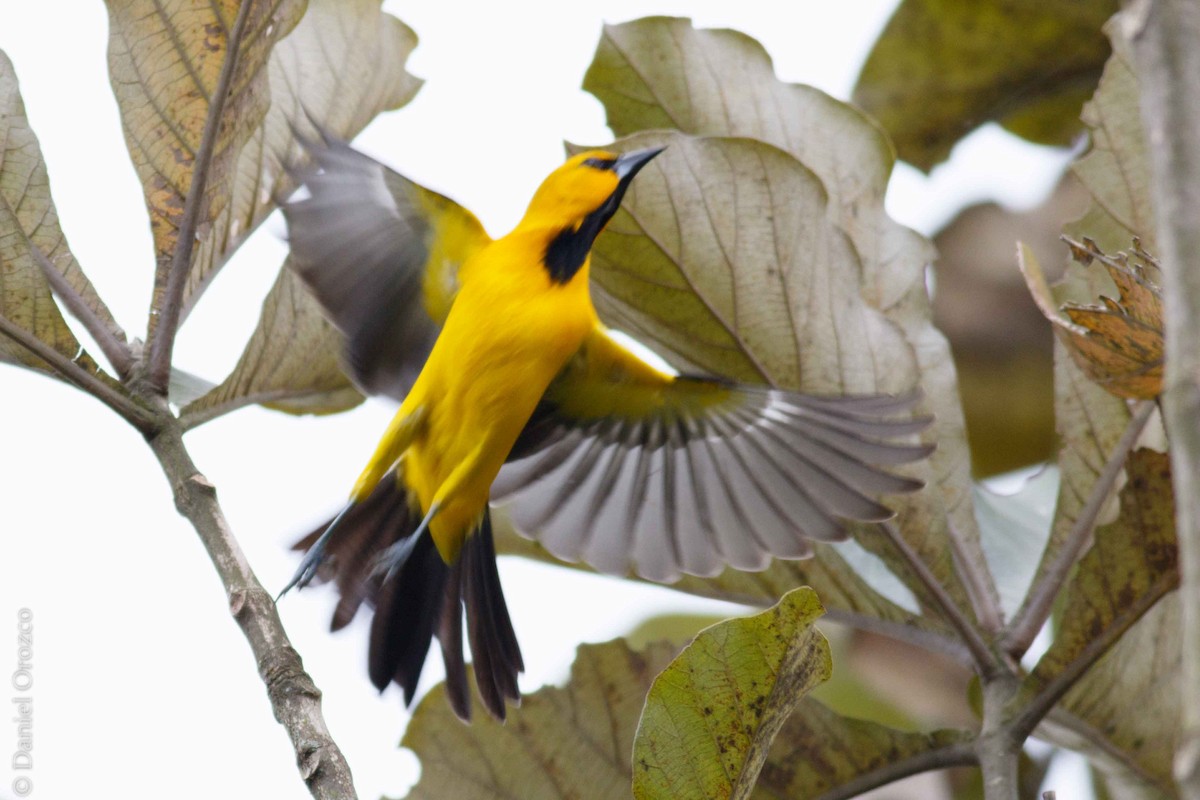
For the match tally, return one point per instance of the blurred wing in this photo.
(622, 465)
(382, 255)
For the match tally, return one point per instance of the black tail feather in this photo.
(493, 642)
(458, 693)
(425, 599)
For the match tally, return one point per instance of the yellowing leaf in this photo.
(711, 715)
(165, 59)
(1129, 568)
(29, 224)
(941, 68)
(343, 65)
(573, 742)
(1124, 711)
(1118, 344)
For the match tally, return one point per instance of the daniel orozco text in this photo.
(22, 702)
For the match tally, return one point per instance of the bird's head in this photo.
(578, 199)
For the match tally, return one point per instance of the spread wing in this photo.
(382, 256)
(623, 465)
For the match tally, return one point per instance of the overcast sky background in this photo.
(143, 684)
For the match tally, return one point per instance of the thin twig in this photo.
(71, 372)
(1038, 603)
(294, 697)
(987, 660)
(958, 754)
(115, 349)
(162, 336)
(977, 580)
(1164, 34)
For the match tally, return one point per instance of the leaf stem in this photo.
(294, 697)
(1038, 603)
(73, 373)
(162, 335)
(986, 660)
(115, 348)
(977, 580)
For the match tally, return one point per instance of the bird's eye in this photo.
(600, 163)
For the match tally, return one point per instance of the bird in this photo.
(512, 389)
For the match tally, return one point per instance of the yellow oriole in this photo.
(497, 355)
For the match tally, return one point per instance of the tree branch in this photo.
(115, 349)
(162, 336)
(1166, 43)
(1038, 603)
(998, 750)
(986, 659)
(294, 697)
(76, 375)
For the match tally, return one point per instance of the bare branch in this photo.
(115, 350)
(162, 336)
(294, 697)
(71, 372)
(959, 754)
(1164, 34)
(987, 660)
(1038, 603)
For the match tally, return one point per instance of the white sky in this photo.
(143, 684)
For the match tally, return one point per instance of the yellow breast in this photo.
(509, 333)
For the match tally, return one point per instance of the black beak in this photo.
(629, 164)
(625, 167)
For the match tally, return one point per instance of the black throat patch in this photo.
(570, 247)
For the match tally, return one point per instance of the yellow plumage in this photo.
(512, 389)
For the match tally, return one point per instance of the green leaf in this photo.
(29, 224)
(711, 715)
(819, 751)
(165, 58)
(941, 68)
(570, 742)
(343, 65)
